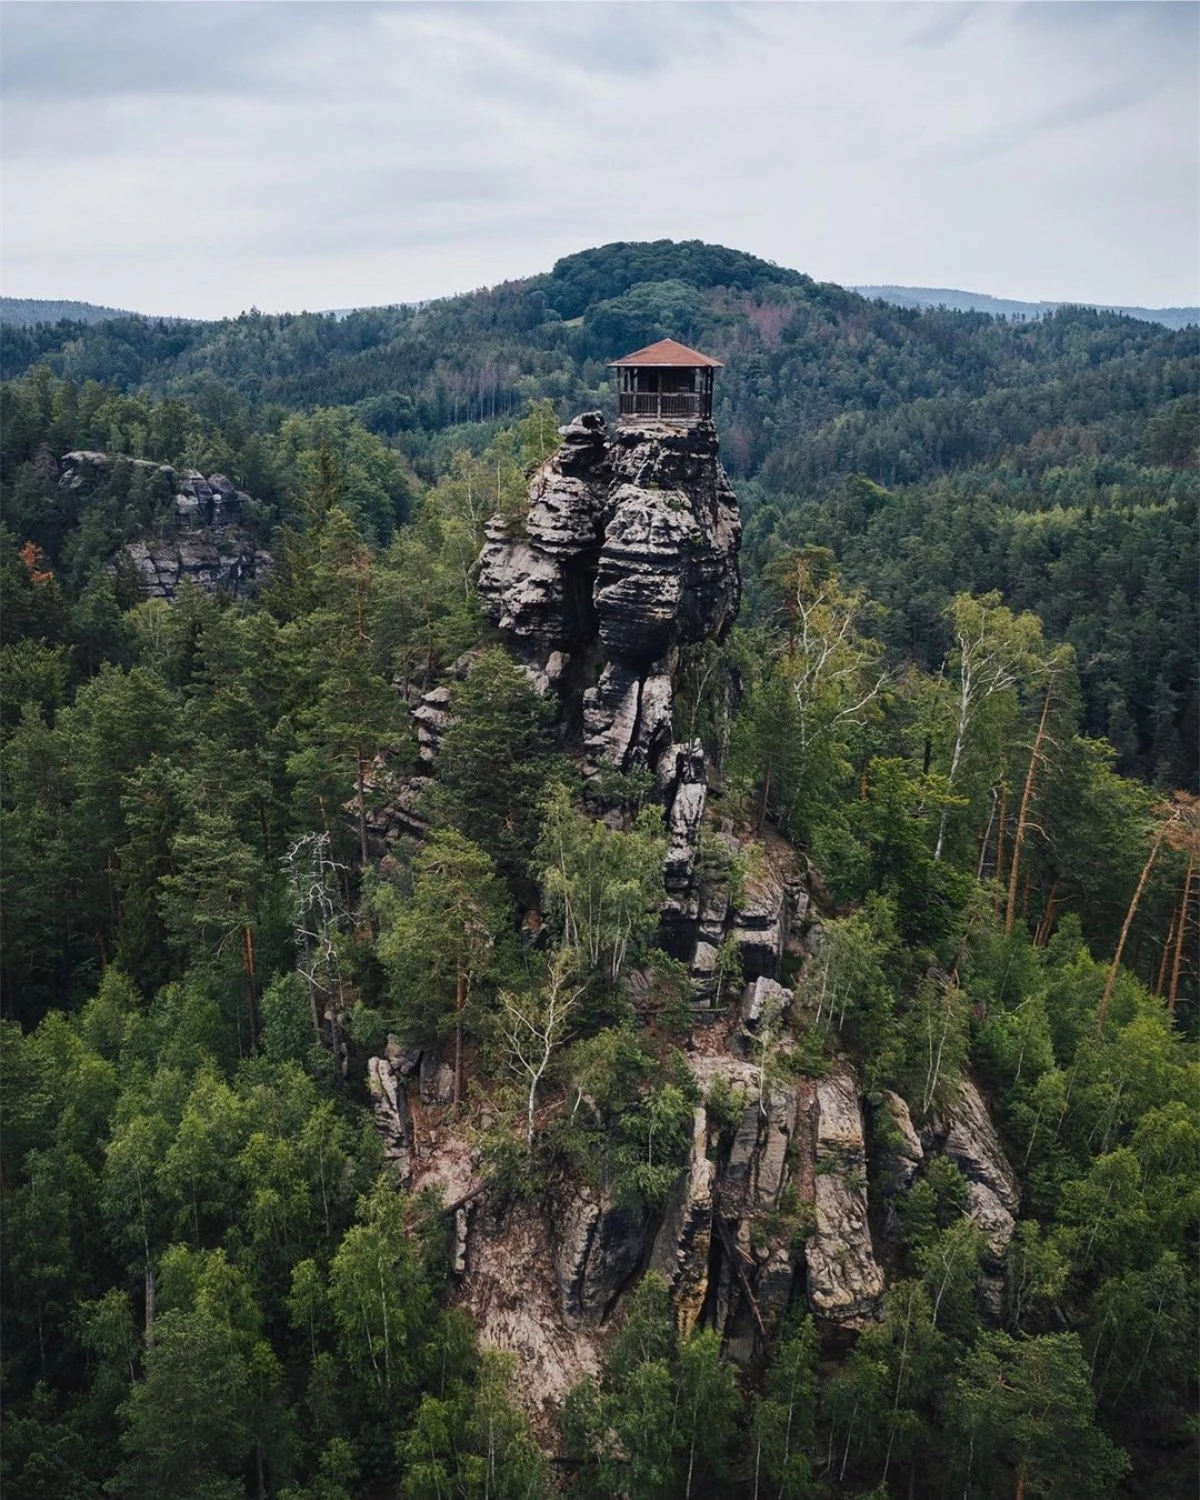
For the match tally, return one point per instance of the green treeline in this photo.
(212, 1287)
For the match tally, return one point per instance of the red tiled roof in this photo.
(668, 352)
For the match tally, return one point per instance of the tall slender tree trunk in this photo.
(151, 1301)
(1023, 814)
(987, 833)
(766, 793)
(1002, 823)
(459, 1000)
(362, 810)
(1181, 928)
(1164, 963)
(1128, 923)
(1049, 916)
(251, 982)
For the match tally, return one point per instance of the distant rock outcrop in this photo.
(201, 541)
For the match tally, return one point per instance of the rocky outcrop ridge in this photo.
(199, 536)
(226, 564)
(793, 1185)
(200, 503)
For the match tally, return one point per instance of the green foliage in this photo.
(1023, 1414)
(785, 1412)
(602, 886)
(494, 760)
(473, 1442)
(440, 944)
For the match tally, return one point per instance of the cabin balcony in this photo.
(668, 406)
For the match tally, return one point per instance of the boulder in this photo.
(900, 1150)
(760, 997)
(993, 1196)
(436, 1080)
(974, 1147)
(755, 1171)
(389, 1112)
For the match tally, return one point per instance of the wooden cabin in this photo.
(665, 380)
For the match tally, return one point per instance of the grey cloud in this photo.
(218, 154)
(940, 24)
(91, 50)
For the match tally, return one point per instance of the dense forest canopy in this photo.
(963, 685)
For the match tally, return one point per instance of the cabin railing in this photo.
(672, 407)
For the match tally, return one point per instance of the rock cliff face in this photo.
(792, 1185)
(628, 552)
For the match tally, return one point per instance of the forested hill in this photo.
(1053, 460)
(26, 312)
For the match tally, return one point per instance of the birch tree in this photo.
(994, 651)
(535, 1026)
(822, 686)
(603, 886)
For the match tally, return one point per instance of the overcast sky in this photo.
(198, 158)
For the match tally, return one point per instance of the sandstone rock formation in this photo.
(993, 1197)
(630, 544)
(845, 1283)
(199, 539)
(227, 564)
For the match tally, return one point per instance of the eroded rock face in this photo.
(209, 504)
(199, 539)
(223, 564)
(597, 1248)
(845, 1283)
(898, 1143)
(993, 1197)
(631, 540)
(683, 1244)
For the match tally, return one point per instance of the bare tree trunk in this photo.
(1023, 814)
(1181, 928)
(1046, 925)
(1168, 947)
(987, 833)
(362, 811)
(151, 1301)
(1002, 821)
(766, 793)
(459, 999)
(251, 982)
(1129, 916)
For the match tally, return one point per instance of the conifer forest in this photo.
(544, 955)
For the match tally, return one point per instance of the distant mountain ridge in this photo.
(1005, 307)
(26, 311)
